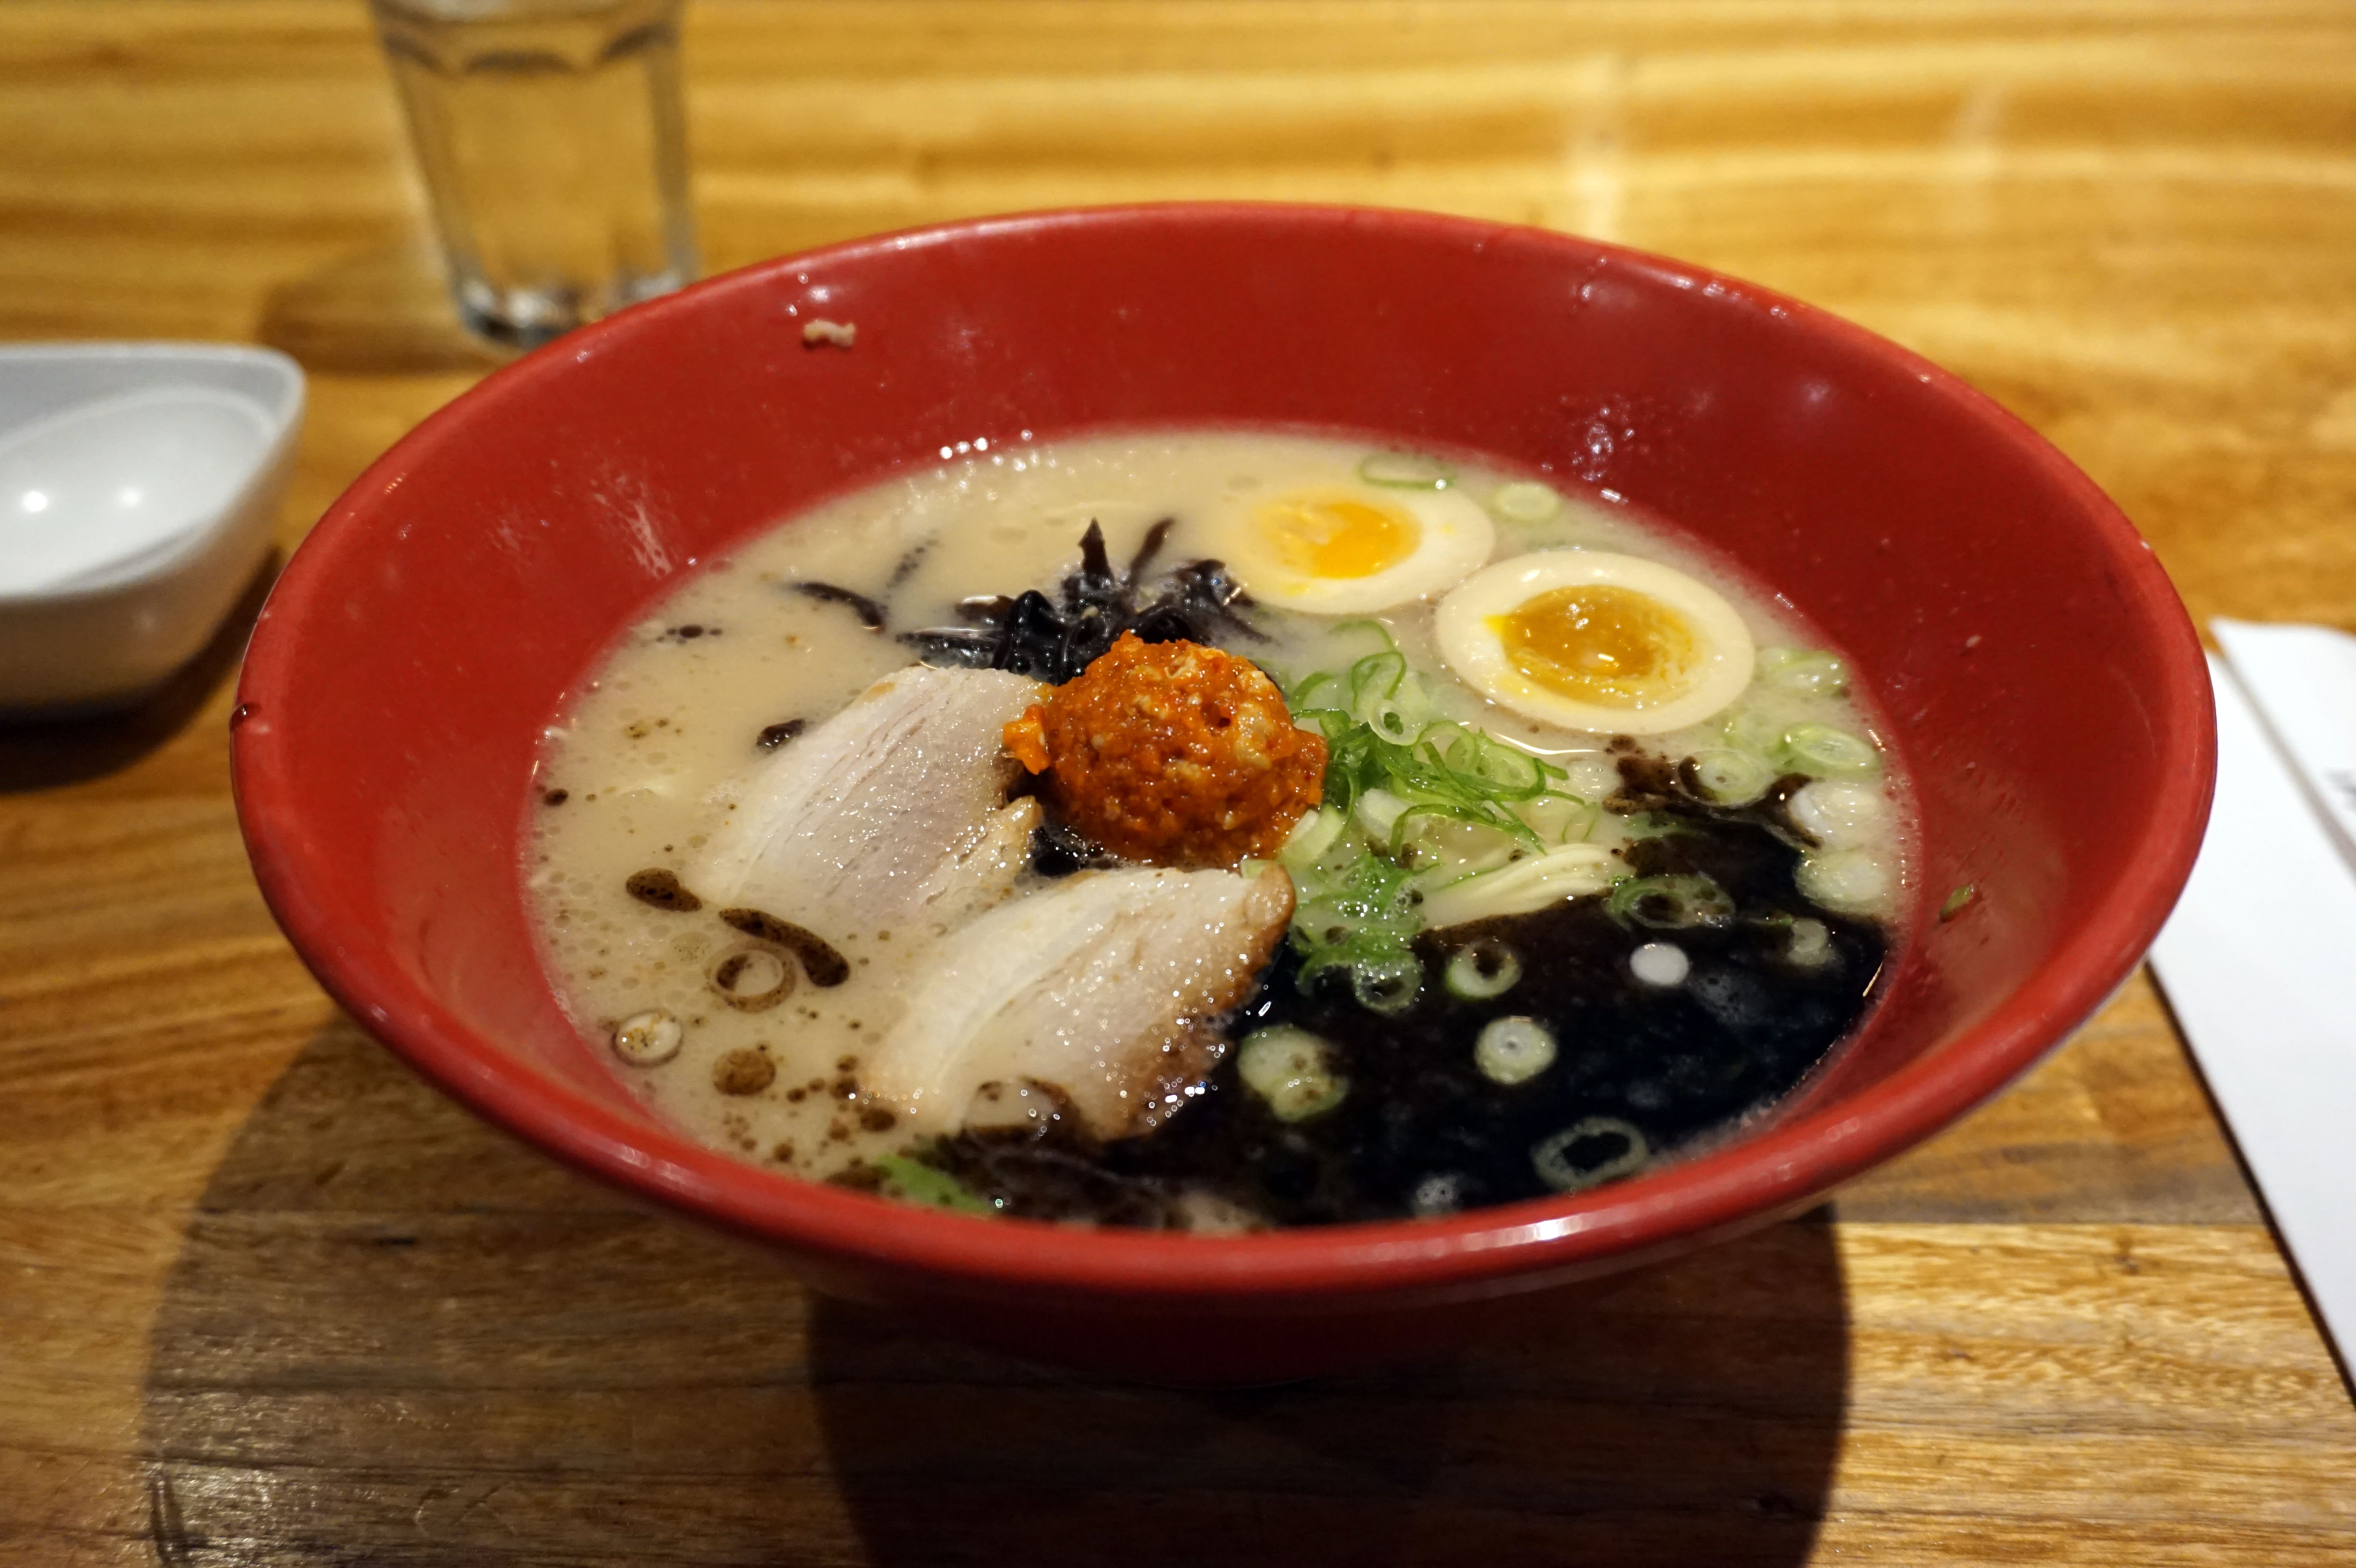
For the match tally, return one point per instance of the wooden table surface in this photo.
(264, 1298)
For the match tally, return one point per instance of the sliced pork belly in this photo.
(893, 810)
(1103, 987)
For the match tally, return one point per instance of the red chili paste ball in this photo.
(1174, 754)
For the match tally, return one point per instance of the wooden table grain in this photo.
(264, 1298)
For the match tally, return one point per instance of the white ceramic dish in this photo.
(138, 484)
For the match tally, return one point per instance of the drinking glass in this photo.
(551, 140)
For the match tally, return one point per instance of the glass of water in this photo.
(549, 136)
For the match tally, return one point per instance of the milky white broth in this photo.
(649, 749)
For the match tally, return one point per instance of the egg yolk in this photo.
(1336, 536)
(1600, 644)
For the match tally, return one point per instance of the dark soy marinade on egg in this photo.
(1421, 1128)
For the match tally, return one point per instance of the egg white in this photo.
(1455, 535)
(1475, 653)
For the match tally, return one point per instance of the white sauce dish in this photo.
(138, 487)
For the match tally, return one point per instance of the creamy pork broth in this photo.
(725, 1031)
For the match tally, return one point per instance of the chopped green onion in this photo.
(1674, 902)
(1385, 700)
(1565, 1165)
(1823, 752)
(1362, 626)
(1448, 763)
(1380, 732)
(1396, 719)
(1293, 1070)
(1958, 901)
(1379, 811)
(1731, 778)
(1358, 914)
(1839, 812)
(1812, 944)
(1461, 807)
(1299, 697)
(917, 1183)
(1748, 729)
(1483, 968)
(1513, 1050)
(1378, 675)
(1311, 837)
(1524, 502)
(1407, 471)
(1509, 771)
(1803, 672)
(1437, 1195)
(1388, 986)
(1852, 881)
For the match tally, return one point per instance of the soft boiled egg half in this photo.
(1338, 545)
(1590, 640)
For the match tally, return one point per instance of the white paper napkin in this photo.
(2303, 682)
(2259, 959)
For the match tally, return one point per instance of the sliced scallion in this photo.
(1837, 812)
(1513, 1050)
(1674, 902)
(1483, 968)
(1823, 752)
(1403, 783)
(1524, 502)
(1748, 730)
(1733, 777)
(1293, 1070)
(1588, 1152)
(1388, 986)
(917, 1183)
(1383, 698)
(1311, 837)
(1378, 675)
(1803, 672)
(1379, 811)
(1453, 757)
(1515, 775)
(1852, 880)
(1358, 913)
(1812, 944)
(1310, 692)
(1437, 1195)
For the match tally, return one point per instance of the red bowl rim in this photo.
(1749, 1179)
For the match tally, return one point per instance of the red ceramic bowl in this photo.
(2038, 674)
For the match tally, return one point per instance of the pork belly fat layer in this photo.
(1105, 987)
(892, 809)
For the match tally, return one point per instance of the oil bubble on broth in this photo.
(1215, 830)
